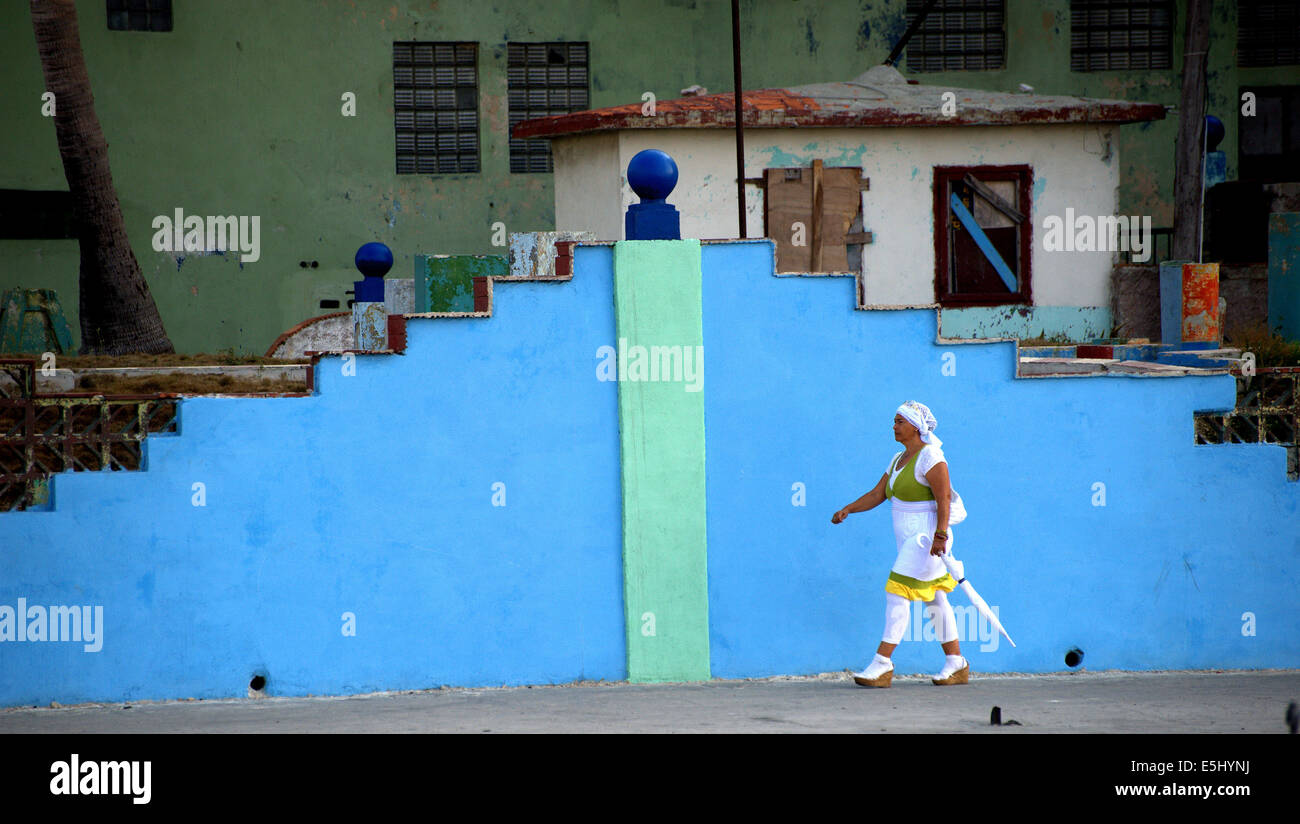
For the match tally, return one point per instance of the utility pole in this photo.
(1189, 161)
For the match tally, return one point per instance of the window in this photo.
(543, 79)
(1267, 33)
(958, 35)
(435, 107)
(808, 239)
(1268, 145)
(1121, 34)
(37, 214)
(982, 235)
(140, 15)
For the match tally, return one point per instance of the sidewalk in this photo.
(1109, 702)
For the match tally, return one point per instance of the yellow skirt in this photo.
(914, 590)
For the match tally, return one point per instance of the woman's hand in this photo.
(839, 517)
(939, 546)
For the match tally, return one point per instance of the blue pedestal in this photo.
(652, 220)
(370, 290)
(1171, 301)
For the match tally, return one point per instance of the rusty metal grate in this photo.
(42, 435)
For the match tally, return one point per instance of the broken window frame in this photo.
(944, 177)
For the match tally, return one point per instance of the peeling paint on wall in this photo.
(1073, 323)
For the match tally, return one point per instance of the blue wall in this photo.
(801, 387)
(375, 497)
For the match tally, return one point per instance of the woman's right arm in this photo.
(871, 500)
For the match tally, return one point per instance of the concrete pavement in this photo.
(1111, 702)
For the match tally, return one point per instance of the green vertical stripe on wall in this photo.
(657, 303)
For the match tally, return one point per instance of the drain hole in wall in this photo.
(1074, 658)
(257, 684)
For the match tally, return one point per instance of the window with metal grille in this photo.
(435, 107)
(1108, 35)
(958, 35)
(1267, 33)
(140, 15)
(543, 79)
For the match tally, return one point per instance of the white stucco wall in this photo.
(588, 190)
(1067, 161)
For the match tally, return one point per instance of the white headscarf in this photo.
(919, 415)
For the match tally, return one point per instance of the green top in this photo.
(907, 488)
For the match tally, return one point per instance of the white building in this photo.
(916, 145)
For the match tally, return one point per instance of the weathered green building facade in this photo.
(286, 111)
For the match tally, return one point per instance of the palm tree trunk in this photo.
(118, 314)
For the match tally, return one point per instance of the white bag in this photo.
(956, 509)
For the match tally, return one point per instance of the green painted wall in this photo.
(237, 111)
(1038, 53)
(657, 302)
(446, 284)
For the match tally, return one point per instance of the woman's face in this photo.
(903, 430)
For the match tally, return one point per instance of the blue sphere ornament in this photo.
(374, 260)
(1214, 132)
(652, 174)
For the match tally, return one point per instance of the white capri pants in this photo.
(898, 611)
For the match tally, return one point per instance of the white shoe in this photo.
(874, 670)
(953, 673)
(879, 673)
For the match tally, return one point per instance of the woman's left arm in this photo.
(942, 489)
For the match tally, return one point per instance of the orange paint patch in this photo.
(1200, 302)
(759, 101)
(781, 108)
(697, 111)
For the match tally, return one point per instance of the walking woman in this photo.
(917, 482)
